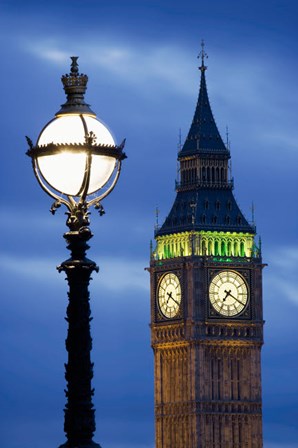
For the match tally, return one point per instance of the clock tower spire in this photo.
(206, 302)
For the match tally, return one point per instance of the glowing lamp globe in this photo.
(75, 154)
(66, 169)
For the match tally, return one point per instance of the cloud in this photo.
(141, 66)
(37, 269)
(156, 70)
(285, 257)
(280, 140)
(277, 429)
(117, 274)
(147, 70)
(48, 49)
(282, 277)
(280, 445)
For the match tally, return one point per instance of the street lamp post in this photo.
(77, 162)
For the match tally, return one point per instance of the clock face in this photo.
(169, 295)
(228, 293)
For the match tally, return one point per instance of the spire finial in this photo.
(202, 56)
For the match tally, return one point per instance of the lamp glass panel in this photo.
(103, 134)
(66, 129)
(102, 168)
(70, 129)
(64, 171)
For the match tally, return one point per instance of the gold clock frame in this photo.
(169, 295)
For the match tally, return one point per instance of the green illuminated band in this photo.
(205, 243)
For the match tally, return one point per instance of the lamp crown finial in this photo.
(75, 85)
(74, 68)
(74, 80)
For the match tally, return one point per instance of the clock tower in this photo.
(206, 303)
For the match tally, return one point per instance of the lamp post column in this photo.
(79, 418)
(77, 162)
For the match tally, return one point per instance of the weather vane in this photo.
(202, 55)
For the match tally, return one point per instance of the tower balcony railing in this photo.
(182, 186)
(209, 259)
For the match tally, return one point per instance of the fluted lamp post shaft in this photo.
(79, 423)
(77, 162)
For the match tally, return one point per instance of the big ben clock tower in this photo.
(206, 303)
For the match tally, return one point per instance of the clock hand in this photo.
(171, 297)
(228, 293)
(233, 297)
(175, 300)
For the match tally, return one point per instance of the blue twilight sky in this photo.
(143, 82)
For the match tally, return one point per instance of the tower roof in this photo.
(205, 209)
(203, 135)
(205, 200)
